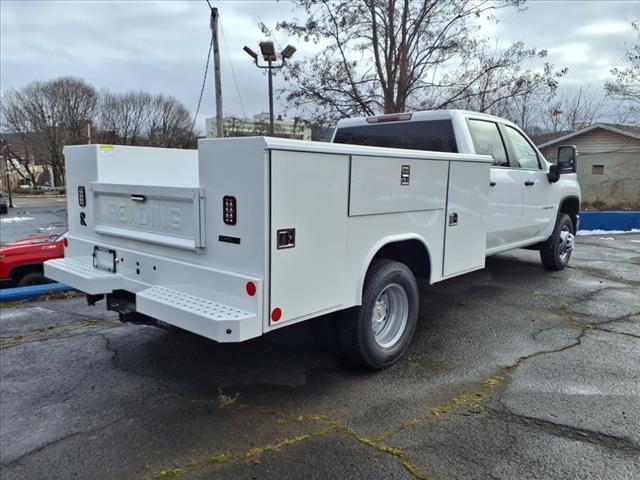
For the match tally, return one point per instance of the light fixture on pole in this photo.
(268, 52)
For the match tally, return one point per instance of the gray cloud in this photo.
(160, 46)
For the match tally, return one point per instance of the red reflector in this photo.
(276, 314)
(82, 197)
(396, 117)
(251, 289)
(65, 242)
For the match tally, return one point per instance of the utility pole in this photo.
(216, 69)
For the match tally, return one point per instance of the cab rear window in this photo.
(433, 135)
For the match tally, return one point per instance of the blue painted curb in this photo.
(612, 220)
(33, 291)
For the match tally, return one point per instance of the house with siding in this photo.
(608, 162)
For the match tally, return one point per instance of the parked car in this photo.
(21, 261)
(4, 207)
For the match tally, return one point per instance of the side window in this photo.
(524, 152)
(488, 141)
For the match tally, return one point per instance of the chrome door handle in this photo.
(138, 198)
(528, 183)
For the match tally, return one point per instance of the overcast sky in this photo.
(161, 46)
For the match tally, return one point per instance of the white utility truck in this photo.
(248, 235)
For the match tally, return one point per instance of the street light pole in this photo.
(270, 100)
(269, 55)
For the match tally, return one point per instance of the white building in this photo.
(259, 125)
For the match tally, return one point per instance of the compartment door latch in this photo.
(286, 238)
(405, 175)
(453, 219)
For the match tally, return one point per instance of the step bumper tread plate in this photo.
(217, 321)
(82, 275)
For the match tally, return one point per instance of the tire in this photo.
(378, 333)
(33, 278)
(555, 253)
(4, 209)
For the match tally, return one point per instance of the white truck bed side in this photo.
(310, 217)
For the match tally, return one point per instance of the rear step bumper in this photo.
(82, 276)
(220, 322)
(214, 320)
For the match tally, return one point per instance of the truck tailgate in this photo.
(171, 216)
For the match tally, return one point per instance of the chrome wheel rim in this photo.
(390, 315)
(566, 242)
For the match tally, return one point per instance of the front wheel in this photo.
(556, 252)
(33, 278)
(378, 333)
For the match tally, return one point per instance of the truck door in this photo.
(538, 199)
(506, 187)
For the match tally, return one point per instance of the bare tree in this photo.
(625, 87)
(571, 110)
(497, 82)
(123, 116)
(395, 55)
(48, 115)
(169, 124)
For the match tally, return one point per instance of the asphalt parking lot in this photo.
(514, 373)
(40, 215)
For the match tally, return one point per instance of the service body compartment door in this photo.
(308, 244)
(466, 220)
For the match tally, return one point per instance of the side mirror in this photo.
(567, 155)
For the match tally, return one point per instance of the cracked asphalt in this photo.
(514, 372)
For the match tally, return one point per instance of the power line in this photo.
(235, 79)
(204, 81)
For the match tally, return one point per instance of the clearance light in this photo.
(276, 314)
(229, 210)
(251, 289)
(82, 196)
(389, 118)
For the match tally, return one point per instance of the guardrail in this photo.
(610, 220)
(31, 292)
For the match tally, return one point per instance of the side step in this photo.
(223, 323)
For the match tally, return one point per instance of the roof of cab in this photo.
(423, 115)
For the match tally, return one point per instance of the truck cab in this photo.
(525, 197)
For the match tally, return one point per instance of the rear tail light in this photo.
(82, 197)
(229, 213)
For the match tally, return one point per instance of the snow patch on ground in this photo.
(607, 232)
(16, 219)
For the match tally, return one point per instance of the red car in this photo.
(21, 261)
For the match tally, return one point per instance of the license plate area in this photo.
(104, 259)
